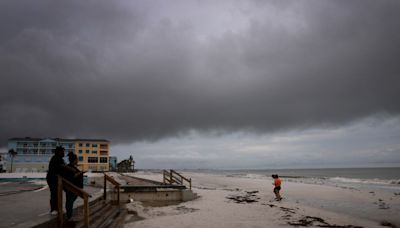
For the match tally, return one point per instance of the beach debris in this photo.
(309, 221)
(318, 222)
(386, 223)
(381, 204)
(270, 205)
(287, 210)
(397, 193)
(248, 197)
(185, 209)
(287, 217)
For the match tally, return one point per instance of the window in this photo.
(87, 151)
(80, 158)
(103, 152)
(94, 152)
(87, 144)
(93, 159)
(80, 144)
(103, 146)
(80, 151)
(94, 145)
(103, 159)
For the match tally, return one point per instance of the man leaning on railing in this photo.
(56, 167)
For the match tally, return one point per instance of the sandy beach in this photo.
(231, 201)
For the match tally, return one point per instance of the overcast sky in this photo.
(207, 84)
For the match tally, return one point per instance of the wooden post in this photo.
(118, 195)
(190, 183)
(163, 176)
(86, 212)
(105, 187)
(59, 201)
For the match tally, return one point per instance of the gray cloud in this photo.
(145, 70)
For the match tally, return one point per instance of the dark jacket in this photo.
(56, 167)
(70, 176)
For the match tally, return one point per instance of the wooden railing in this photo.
(115, 183)
(64, 184)
(172, 177)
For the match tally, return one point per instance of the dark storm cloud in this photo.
(128, 71)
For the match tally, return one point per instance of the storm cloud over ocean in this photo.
(134, 71)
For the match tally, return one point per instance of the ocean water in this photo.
(383, 178)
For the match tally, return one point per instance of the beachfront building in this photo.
(113, 163)
(33, 154)
(127, 165)
(93, 155)
(3, 161)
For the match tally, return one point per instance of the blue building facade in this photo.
(113, 163)
(33, 154)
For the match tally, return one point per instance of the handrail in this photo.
(63, 183)
(112, 181)
(172, 177)
(182, 177)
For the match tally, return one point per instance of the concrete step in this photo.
(95, 213)
(120, 220)
(116, 212)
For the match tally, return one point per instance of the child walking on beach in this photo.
(277, 188)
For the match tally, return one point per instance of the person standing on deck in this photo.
(76, 178)
(56, 167)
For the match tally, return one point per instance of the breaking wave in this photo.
(365, 181)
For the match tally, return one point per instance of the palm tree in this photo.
(12, 154)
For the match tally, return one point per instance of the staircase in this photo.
(173, 177)
(98, 213)
(101, 214)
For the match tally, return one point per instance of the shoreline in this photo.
(304, 204)
(248, 201)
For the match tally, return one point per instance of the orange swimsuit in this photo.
(277, 182)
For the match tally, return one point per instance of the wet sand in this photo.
(249, 202)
